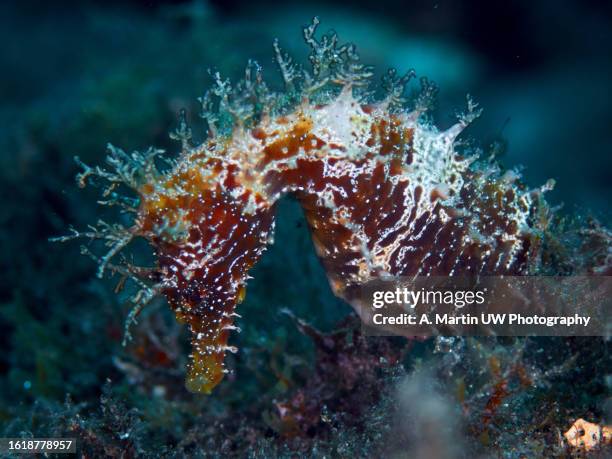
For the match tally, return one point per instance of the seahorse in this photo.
(385, 194)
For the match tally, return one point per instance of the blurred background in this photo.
(77, 75)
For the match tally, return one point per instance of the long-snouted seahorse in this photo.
(385, 194)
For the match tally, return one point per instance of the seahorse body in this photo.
(385, 194)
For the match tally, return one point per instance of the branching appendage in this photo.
(132, 171)
(145, 294)
(332, 63)
(115, 237)
(395, 87)
(182, 133)
(290, 71)
(426, 98)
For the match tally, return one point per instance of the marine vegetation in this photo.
(385, 193)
